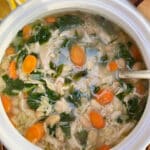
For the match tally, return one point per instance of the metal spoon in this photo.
(142, 74)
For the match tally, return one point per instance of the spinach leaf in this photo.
(133, 108)
(66, 129)
(75, 97)
(42, 35)
(94, 89)
(129, 89)
(52, 65)
(20, 33)
(122, 119)
(66, 22)
(29, 87)
(23, 53)
(12, 86)
(18, 43)
(104, 60)
(66, 117)
(68, 42)
(52, 130)
(68, 80)
(123, 52)
(82, 137)
(52, 95)
(58, 69)
(36, 75)
(34, 100)
(80, 74)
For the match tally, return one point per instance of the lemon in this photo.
(12, 4)
(19, 2)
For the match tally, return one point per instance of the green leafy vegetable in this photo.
(66, 117)
(52, 130)
(65, 120)
(12, 86)
(75, 97)
(52, 95)
(36, 75)
(128, 89)
(66, 22)
(122, 119)
(42, 35)
(104, 60)
(123, 52)
(68, 42)
(19, 34)
(23, 53)
(95, 89)
(82, 137)
(80, 74)
(66, 129)
(133, 108)
(68, 80)
(52, 65)
(34, 100)
(58, 69)
(29, 87)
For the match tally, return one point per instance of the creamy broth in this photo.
(58, 83)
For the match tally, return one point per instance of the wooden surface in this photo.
(143, 7)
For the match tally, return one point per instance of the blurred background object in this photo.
(6, 6)
(4, 9)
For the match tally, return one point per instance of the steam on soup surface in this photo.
(58, 85)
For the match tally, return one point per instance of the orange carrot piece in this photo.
(29, 64)
(112, 66)
(35, 132)
(104, 147)
(7, 103)
(50, 19)
(140, 88)
(135, 53)
(12, 70)
(27, 31)
(104, 96)
(96, 119)
(77, 55)
(9, 51)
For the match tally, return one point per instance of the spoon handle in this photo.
(143, 74)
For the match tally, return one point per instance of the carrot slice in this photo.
(35, 132)
(27, 31)
(140, 88)
(135, 53)
(104, 147)
(9, 51)
(77, 55)
(112, 66)
(29, 64)
(7, 103)
(96, 119)
(12, 70)
(50, 19)
(104, 96)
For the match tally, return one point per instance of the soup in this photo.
(58, 83)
